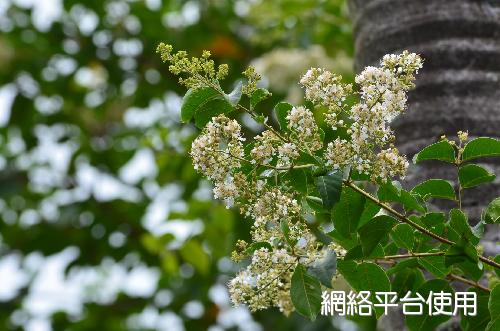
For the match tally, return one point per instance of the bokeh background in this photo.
(104, 225)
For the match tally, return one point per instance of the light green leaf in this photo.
(324, 268)
(374, 231)
(281, 110)
(403, 236)
(435, 188)
(494, 307)
(347, 213)
(491, 214)
(259, 95)
(305, 293)
(426, 321)
(442, 151)
(479, 147)
(472, 175)
(329, 188)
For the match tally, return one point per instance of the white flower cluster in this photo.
(326, 89)
(383, 91)
(216, 152)
(266, 281)
(264, 196)
(304, 128)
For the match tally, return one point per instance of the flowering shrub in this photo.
(325, 208)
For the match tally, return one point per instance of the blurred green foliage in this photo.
(89, 95)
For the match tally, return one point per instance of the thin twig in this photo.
(405, 219)
(468, 281)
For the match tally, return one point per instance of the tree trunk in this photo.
(459, 86)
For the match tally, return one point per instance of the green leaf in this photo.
(435, 265)
(434, 222)
(235, 95)
(329, 188)
(479, 147)
(472, 175)
(427, 322)
(403, 236)
(389, 191)
(316, 204)
(409, 263)
(407, 280)
(371, 209)
(298, 179)
(374, 231)
(258, 96)
(491, 214)
(281, 110)
(324, 268)
(497, 260)
(494, 307)
(442, 151)
(210, 110)
(460, 252)
(356, 253)
(365, 276)
(258, 245)
(459, 227)
(435, 188)
(347, 213)
(203, 100)
(286, 232)
(305, 293)
(471, 270)
(482, 318)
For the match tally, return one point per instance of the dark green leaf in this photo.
(324, 268)
(459, 227)
(428, 322)
(472, 175)
(374, 231)
(442, 151)
(203, 100)
(403, 236)
(259, 95)
(371, 209)
(435, 188)
(435, 265)
(347, 213)
(482, 317)
(329, 188)
(407, 280)
(479, 147)
(305, 293)
(281, 110)
(365, 276)
(210, 110)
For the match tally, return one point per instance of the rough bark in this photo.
(459, 86)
